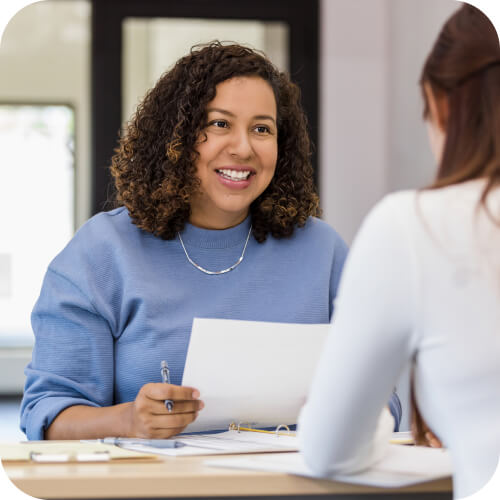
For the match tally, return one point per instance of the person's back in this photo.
(421, 286)
(457, 324)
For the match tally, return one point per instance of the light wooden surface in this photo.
(177, 477)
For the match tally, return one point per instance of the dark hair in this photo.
(154, 165)
(464, 66)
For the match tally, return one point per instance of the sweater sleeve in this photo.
(366, 351)
(339, 257)
(72, 361)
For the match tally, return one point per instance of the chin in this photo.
(232, 211)
(234, 208)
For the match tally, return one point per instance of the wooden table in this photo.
(188, 477)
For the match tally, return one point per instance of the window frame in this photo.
(301, 17)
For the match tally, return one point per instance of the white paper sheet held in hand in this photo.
(250, 371)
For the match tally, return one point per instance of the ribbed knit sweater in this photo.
(118, 300)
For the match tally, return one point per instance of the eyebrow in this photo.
(232, 115)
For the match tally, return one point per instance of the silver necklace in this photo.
(224, 271)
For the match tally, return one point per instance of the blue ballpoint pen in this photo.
(155, 443)
(165, 375)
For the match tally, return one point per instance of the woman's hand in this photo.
(149, 418)
(423, 435)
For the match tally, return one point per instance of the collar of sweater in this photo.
(216, 238)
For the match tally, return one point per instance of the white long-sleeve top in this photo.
(421, 286)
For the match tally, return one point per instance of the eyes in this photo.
(259, 129)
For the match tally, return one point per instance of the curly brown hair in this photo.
(154, 166)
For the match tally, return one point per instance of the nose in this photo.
(239, 144)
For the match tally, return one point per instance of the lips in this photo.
(235, 174)
(235, 177)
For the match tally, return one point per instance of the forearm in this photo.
(364, 355)
(88, 422)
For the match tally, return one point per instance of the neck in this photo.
(217, 223)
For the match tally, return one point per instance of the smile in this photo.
(235, 175)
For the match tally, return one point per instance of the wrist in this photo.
(125, 418)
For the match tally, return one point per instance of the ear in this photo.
(439, 108)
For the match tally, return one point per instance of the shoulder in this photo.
(400, 200)
(99, 239)
(427, 207)
(389, 224)
(451, 201)
(317, 241)
(116, 221)
(394, 209)
(109, 228)
(317, 231)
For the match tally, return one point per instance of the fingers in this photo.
(161, 392)
(177, 421)
(158, 407)
(163, 433)
(151, 419)
(425, 437)
(432, 440)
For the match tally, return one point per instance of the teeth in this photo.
(235, 175)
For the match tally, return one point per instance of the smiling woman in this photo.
(215, 218)
(237, 152)
(222, 107)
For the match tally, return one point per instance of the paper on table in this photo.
(249, 371)
(402, 437)
(402, 466)
(22, 451)
(231, 442)
(228, 442)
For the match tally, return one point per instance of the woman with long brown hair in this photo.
(425, 271)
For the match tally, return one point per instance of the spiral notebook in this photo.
(237, 439)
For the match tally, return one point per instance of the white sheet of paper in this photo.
(250, 371)
(221, 443)
(402, 466)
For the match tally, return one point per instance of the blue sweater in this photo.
(118, 300)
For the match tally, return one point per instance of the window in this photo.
(36, 205)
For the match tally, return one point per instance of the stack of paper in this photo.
(402, 466)
(229, 442)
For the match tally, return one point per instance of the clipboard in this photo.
(239, 438)
(38, 452)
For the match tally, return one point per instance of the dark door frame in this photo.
(107, 16)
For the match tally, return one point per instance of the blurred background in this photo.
(71, 73)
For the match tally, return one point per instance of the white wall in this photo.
(353, 118)
(414, 25)
(372, 137)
